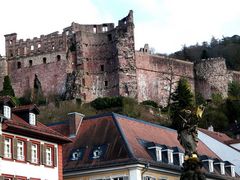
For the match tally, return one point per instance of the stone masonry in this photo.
(90, 61)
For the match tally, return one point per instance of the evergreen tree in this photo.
(7, 87)
(181, 99)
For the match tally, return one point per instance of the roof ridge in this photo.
(129, 148)
(145, 122)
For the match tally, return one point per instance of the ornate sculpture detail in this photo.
(187, 136)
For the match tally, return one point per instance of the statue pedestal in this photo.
(192, 170)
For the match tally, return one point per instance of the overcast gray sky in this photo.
(165, 25)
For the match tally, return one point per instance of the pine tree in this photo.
(181, 99)
(7, 87)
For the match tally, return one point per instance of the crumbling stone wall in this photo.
(90, 61)
(3, 71)
(157, 76)
(212, 76)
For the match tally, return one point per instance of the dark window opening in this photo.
(30, 63)
(58, 57)
(44, 60)
(102, 67)
(19, 65)
(109, 37)
(83, 82)
(106, 83)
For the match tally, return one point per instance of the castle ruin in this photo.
(90, 61)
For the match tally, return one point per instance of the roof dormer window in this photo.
(170, 156)
(32, 119)
(7, 111)
(222, 168)
(158, 154)
(210, 162)
(232, 171)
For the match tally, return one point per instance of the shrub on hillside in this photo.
(150, 103)
(107, 102)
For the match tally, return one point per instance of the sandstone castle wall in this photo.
(90, 61)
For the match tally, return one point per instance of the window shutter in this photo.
(55, 160)
(29, 151)
(43, 154)
(1, 146)
(15, 148)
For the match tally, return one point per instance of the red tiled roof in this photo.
(216, 135)
(19, 126)
(137, 129)
(92, 132)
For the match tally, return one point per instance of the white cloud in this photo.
(165, 24)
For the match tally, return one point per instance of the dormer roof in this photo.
(7, 100)
(27, 108)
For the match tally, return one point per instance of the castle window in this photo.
(104, 28)
(102, 67)
(10, 42)
(32, 47)
(30, 63)
(83, 82)
(25, 50)
(106, 83)
(44, 60)
(19, 65)
(39, 45)
(109, 37)
(94, 29)
(58, 57)
(53, 47)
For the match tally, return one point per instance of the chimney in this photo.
(75, 120)
(210, 128)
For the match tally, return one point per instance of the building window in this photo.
(232, 171)
(53, 47)
(8, 148)
(19, 65)
(32, 47)
(102, 67)
(104, 28)
(210, 162)
(222, 168)
(49, 156)
(32, 119)
(149, 178)
(58, 57)
(34, 153)
(83, 82)
(44, 60)
(30, 63)
(109, 37)
(39, 45)
(94, 29)
(7, 112)
(181, 159)
(170, 156)
(158, 154)
(20, 150)
(106, 83)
